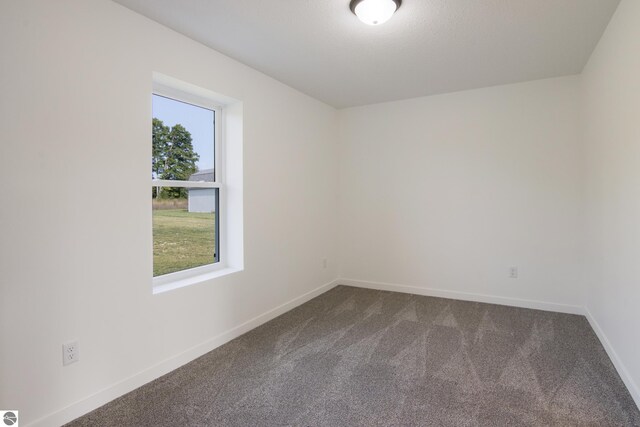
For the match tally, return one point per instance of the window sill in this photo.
(188, 281)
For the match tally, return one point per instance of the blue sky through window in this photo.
(197, 120)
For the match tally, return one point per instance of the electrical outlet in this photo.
(513, 272)
(70, 352)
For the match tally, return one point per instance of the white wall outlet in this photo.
(324, 263)
(70, 352)
(513, 272)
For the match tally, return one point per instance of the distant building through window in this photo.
(202, 200)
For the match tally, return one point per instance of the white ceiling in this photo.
(429, 46)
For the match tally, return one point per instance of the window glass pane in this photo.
(183, 141)
(185, 226)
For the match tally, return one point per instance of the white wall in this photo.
(611, 85)
(447, 192)
(75, 212)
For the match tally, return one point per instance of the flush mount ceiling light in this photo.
(374, 12)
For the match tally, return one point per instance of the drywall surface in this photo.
(448, 192)
(76, 260)
(611, 86)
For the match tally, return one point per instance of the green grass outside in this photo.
(182, 240)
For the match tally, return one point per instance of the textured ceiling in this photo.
(429, 46)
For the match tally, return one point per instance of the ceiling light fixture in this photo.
(374, 12)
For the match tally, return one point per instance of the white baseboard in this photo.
(633, 388)
(465, 296)
(116, 390)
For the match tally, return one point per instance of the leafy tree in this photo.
(173, 157)
(160, 134)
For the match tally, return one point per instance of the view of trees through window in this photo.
(173, 157)
(184, 217)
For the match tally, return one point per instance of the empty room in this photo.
(320, 213)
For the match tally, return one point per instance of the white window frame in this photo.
(193, 275)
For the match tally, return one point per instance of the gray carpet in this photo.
(356, 357)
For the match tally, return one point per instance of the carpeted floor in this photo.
(356, 357)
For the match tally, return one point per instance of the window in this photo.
(185, 187)
(196, 184)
